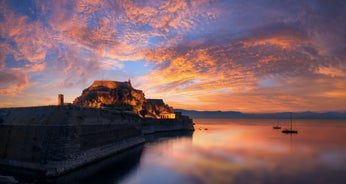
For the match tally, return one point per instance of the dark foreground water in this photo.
(231, 151)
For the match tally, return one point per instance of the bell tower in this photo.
(61, 99)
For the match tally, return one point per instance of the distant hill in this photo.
(211, 114)
(280, 115)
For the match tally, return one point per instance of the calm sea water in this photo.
(230, 151)
(247, 151)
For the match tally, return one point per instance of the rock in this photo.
(155, 107)
(121, 96)
(111, 94)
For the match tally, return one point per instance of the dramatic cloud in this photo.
(198, 54)
(332, 71)
(13, 82)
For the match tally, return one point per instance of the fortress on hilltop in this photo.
(122, 96)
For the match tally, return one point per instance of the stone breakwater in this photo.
(53, 140)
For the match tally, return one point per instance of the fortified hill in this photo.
(111, 94)
(122, 96)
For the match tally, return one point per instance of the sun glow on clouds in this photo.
(331, 71)
(198, 54)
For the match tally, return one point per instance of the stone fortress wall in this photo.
(53, 140)
(56, 139)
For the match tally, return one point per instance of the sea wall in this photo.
(53, 140)
(53, 148)
(150, 126)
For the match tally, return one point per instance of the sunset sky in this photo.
(249, 56)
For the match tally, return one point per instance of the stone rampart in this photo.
(53, 140)
(150, 126)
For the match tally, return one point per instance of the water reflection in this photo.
(230, 151)
(161, 136)
(239, 151)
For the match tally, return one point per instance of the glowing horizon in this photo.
(224, 55)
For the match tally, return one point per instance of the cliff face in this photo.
(112, 94)
(123, 96)
(154, 107)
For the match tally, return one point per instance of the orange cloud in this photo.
(206, 77)
(283, 43)
(32, 43)
(163, 15)
(13, 82)
(195, 74)
(331, 71)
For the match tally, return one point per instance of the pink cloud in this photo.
(13, 82)
(32, 43)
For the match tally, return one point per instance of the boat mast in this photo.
(291, 120)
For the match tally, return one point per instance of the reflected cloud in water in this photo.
(247, 151)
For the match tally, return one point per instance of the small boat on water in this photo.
(277, 127)
(289, 131)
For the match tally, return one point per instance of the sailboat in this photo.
(290, 131)
(277, 127)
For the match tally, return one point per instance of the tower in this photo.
(61, 99)
(129, 81)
